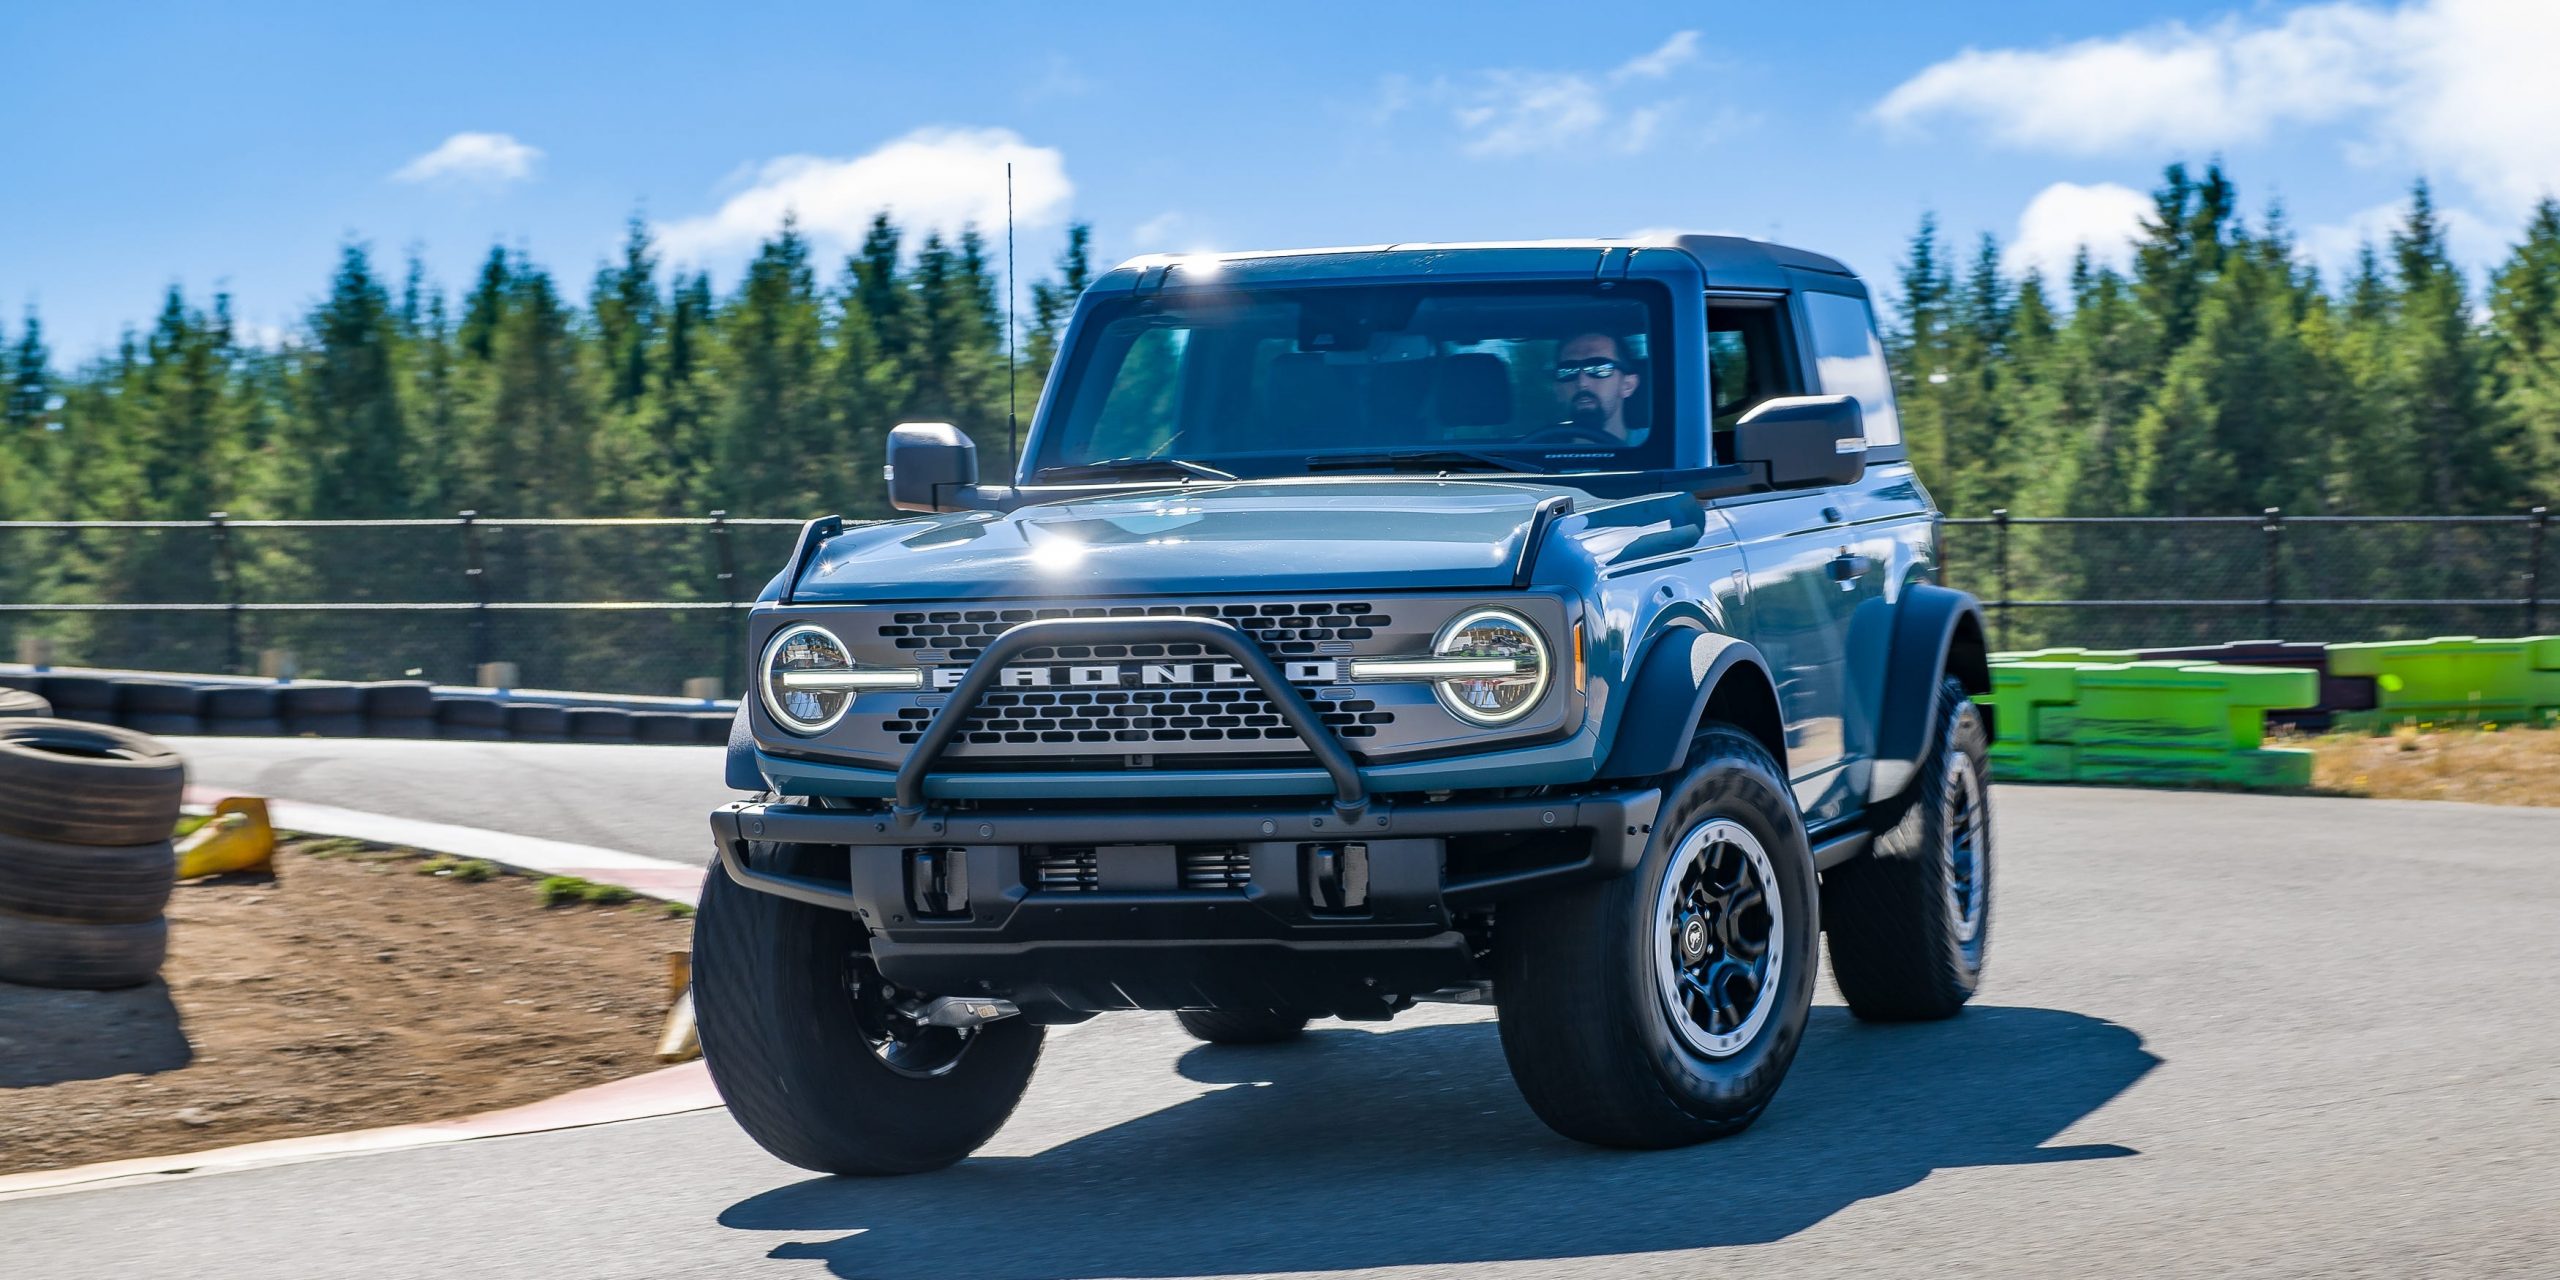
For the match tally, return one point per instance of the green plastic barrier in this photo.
(2069, 655)
(2020, 692)
(2457, 678)
(2147, 722)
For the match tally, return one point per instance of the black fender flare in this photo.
(742, 773)
(1674, 680)
(1937, 632)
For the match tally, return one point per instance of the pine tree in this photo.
(2524, 349)
(26, 390)
(879, 282)
(685, 408)
(1921, 352)
(862, 391)
(354, 433)
(488, 301)
(540, 402)
(1052, 304)
(773, 449)
(2450, 436)
(625, 301)
(2181, 249)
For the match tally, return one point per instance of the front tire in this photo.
(1663, 1007)
(807, 1046)
(1911, 918)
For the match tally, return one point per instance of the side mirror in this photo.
(1804, 441)
(931, 465)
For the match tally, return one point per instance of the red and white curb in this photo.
(651, 877)
(670, 1091)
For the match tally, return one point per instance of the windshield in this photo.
(1270, 381)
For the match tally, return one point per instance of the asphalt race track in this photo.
(653, 800)
(2223, 1034)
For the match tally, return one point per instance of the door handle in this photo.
(1847, 567)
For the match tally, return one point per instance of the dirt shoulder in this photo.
(348, 990)
(2516, 766)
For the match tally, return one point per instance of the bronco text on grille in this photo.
(1119, 705)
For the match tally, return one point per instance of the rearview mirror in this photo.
(931, 466)
(1804, 441)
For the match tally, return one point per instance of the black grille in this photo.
(1061, 870)
(1291, 629)
(1208, 868)
(1136, 717)
(1216, 868)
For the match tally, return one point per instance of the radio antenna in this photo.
(1012, 361)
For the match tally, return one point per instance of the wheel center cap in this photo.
(1693, 940)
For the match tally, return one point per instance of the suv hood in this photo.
(1244, 537)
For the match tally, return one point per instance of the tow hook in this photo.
(964, 1011)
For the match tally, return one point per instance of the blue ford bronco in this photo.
(1555, 626)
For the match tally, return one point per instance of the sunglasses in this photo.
(1600, 369)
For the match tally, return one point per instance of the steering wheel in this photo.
(1574, 433)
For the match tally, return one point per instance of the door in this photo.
(1806, 570)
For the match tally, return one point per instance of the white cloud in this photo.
(1058, 79)
(1677, 52)
(1514, 111)
(934, 179)
(492, 159)
(1172, 231)
(2462, 87)
(2066, 217)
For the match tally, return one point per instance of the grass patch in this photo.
(333, 847)
(2479, 764)
(189, 824)
(467, 870)
(561, 891)
(675, 910)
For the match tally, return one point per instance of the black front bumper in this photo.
(1070, 911)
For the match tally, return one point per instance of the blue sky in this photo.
(238, 146)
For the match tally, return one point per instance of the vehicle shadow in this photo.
(1412, 1148)
(49, 1036)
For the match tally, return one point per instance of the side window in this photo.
(1746, 363)
(1850, 360)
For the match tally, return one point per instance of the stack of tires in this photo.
(87, 812)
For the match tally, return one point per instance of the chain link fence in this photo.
(2149, 582)
(644, 605)
(606, 606)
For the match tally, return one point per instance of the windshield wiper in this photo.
(1425, 460)
(1108, 466)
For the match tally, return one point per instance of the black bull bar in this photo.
(1350, 794)
(1612, 828)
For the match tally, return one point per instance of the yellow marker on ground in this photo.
(679, 1042)
(239, 838)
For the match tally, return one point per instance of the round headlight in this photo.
(1493, 634)
(805, 649)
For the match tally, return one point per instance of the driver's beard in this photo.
(1590, 416)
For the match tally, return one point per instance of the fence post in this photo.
(2536, 539)
(2000, 577)
(2275, 572)
(226, 570)
(472, 566)
(726, 556)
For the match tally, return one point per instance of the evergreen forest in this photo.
(2217, 374)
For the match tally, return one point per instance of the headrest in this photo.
(1474, 390)
(1304, 399)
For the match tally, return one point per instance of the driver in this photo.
(1593, 382)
